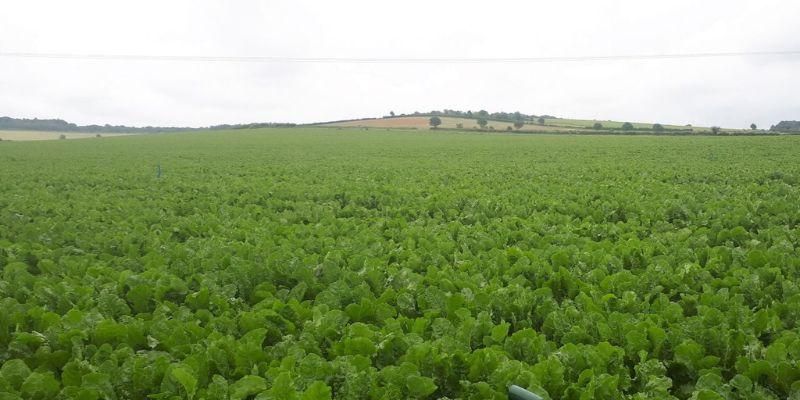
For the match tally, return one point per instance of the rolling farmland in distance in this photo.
(423, 123)
(552, 125)
(13, 129)
(50, 135)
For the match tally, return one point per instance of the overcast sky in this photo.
(732, 92)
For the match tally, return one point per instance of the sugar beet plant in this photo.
(316, 264)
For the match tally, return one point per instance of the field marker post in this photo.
(517, 393)
(158, 170)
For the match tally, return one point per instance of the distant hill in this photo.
(417, 122)
(504, 121)
(786, 126)
(451, 119)
(531, 124)
(59, 125)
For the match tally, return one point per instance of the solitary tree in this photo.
(658, 127)
(597, 125)
(391, 113)
(716, 130)
(482, 122)
(540, 121)
(435, 122)
(627, 126)
(518, 124)
(508, 127)
(753, 126)
(459, 125)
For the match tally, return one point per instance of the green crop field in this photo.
(320, 263)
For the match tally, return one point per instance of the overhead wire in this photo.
(391, 60)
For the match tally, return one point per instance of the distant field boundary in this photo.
(581, 132)
(551, 121)
(26, 135)
(549, 129)
(29, 135)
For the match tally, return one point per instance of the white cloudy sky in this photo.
(731, 92)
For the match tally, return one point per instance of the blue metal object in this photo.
(517, 393)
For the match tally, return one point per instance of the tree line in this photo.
(435, 121)
(481, 114)
(519, 119)
(786, 126)
(59, 125)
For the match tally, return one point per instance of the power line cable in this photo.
(376, 60)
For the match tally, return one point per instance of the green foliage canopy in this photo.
(321, 264)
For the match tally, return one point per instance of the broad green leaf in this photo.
(317, 391)
(247, 386)
(186, 378)
(40, 386)
(14, 372)
(420, 386)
